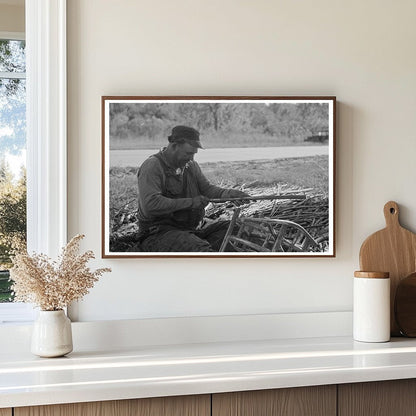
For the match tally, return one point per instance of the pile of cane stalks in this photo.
(311, 213)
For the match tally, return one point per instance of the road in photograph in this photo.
(125, 158)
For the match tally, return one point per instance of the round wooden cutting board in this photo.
(393, 250)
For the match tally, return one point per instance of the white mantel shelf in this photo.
(198, 368)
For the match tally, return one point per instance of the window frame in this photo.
(46, 137)
(46, 125)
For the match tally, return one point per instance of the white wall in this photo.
(12, 18)
(363, 52)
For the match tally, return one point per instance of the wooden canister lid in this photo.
(372, 275)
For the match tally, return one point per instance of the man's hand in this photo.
(199, 202)
(236, 193)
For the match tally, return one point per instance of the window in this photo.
(46, 135)
(12, 152)
(12, 165)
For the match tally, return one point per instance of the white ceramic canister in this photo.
(371, 309)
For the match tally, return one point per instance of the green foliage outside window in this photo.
(12, 223)
(12, 145)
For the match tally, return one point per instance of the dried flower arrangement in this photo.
(53, 285)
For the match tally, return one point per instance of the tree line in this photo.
(12, 213)
(152, 120)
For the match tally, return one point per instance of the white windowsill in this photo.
(157, 357)
(16, 313)
(199, 368)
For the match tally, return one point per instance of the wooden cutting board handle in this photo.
(391, 214)
(393, 250)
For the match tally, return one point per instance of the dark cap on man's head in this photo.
(188, 134)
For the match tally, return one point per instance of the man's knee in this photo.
(176, 241)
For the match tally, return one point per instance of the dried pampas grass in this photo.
(53, 285)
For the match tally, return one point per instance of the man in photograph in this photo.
(173, 194)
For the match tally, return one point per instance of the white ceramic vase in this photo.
(52, 334)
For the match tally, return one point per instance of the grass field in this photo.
(307, 172)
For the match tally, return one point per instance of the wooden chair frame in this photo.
(267, 235)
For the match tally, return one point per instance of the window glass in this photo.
(12, 156)
(12, 56)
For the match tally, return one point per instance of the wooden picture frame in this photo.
(278, 150)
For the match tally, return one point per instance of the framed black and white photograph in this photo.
(218, 176)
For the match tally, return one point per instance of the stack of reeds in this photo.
(311, 213)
